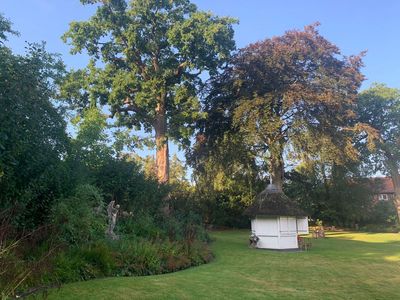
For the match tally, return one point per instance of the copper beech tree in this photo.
(147, 61)
(295, 94)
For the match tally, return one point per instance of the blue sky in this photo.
(353, 25)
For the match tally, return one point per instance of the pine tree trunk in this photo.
(162, 155)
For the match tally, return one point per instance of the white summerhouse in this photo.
(276, 220)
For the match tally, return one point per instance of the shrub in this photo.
(137, 258)
(125, 257)
(100, 256)
(383, 213)
(142, 225)
(17, 272)
(80, 218)
(24, 259)
(149, 243)
(380, 228)
(174, 257)
(199, 253)
(148, 258)
(121, 180)
(83, 263)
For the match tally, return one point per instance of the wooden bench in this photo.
(318, 233)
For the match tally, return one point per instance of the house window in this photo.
(383, 197)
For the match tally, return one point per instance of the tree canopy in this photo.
(379, 106)
(32, 132)
(169, 70)
(147, 62)
(295, 93)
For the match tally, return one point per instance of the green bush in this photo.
(100, 256)
(137, 258)
(123, 181)
(81, 217)
(382, 213)
(199, 253)
(148, 258)
(9, 281)
(380, 228)
(174, 257)
(134, 256)
(142, 225)
(83, 263)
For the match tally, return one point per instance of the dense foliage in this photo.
(285, 101)
(287, 108)
(32, 134)
(379, 106)
(339, 195)
(152, 55)
(290, 90)
(55, 189)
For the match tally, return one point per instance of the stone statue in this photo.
(253, 240)
(112, 212)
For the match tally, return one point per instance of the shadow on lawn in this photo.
(334, 233)
(349, 233)
(367, 237)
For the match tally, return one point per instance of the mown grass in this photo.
(342, 266)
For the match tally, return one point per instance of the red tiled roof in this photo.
(382, 185)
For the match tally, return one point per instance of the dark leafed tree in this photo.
(147, 58)
(296, 92)
(379, 106)
(225, 168)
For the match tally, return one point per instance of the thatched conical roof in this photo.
(273, 202)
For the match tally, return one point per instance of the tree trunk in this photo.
(391, 164)
(397, 202)
(276, 165)
(162, 155)
(396, 183)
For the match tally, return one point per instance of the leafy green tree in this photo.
(92, 160)
(379, 106)
(295, 93)
(32, 132)
(226, 170)
(178, 170)
(122, 180)
(90, 145)
(5, 28)
(226, 176)
(148, 165)
(333, 193)
(147, 61)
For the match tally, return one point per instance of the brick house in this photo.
(382, 188)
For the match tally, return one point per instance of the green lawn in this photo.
(342, 266)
